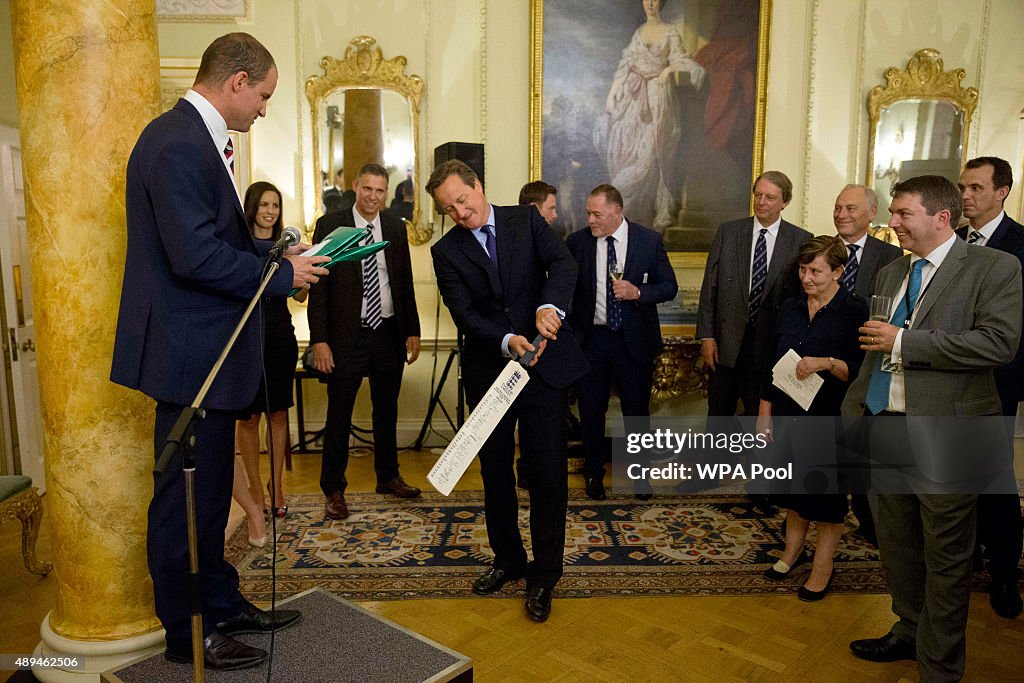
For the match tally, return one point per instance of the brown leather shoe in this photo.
(398, 487)
(336, 507)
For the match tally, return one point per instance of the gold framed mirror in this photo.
(918, 124)
(384, 128)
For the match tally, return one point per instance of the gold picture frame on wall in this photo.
(176, 77)
(676, 122)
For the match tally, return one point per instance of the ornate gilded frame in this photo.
(687, 264)
(924, 78)
(364, 66)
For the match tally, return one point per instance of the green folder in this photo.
(339, 246)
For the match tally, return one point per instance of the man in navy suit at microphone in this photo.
(190, 270)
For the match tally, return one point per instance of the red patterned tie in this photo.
(229, 153)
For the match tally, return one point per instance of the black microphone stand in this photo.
(182, 438)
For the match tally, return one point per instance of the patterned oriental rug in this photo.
(436, 546)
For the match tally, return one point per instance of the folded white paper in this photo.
(452, 464)
(784, 377)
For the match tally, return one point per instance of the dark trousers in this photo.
(610, 364)
(727, 386)
(380, 355)
(1000, 527)
(540, 411)
(167, 536)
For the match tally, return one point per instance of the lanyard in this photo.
(906, 299)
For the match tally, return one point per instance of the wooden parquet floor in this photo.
(757, 638)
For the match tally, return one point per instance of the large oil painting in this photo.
(662, 99)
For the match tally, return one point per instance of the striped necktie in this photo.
(612, 306)
(878, 389)
(974, 237)
(371, 287)
(760, 275)
(849, 278)
(229, 154)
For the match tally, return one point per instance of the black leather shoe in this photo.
(254, 620)
(888, 648)
(538, 603)
(775, 575)
(221, 653)
(492, 580)
(1005, 599)
(595, 488)
(807, 595)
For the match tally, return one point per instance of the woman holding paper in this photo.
(821, 327)
(262, 208)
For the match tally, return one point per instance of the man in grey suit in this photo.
(750, 271)
(984, 184)
(854, 212)
(958, 318)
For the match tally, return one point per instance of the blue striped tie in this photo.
(878, 389)
(760, 275)
(371, 287)
(613, 307)
(849, 278)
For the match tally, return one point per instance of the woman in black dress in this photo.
(821, 326)
(262, 207)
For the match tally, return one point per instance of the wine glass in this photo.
(615, 270)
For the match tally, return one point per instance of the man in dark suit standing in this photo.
(854, 211)
(750, 271)
(504, 277)
(363, 323)
(615, 314)
(984, 184)
(191, 267)
(956, 317)
(338, 197)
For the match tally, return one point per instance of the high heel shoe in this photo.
(780, 570)
(808, 595)
(279, 512)
(258, 542)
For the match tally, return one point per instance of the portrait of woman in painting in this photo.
(639, 135)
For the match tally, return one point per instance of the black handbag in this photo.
(307, 365)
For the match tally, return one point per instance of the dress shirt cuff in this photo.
(897, 347)
(559, 311)
(505, 351)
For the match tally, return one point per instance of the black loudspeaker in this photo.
(469, 153)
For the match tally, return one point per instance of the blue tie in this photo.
(849, 278)
(613, 307)
(878, 389)
(760, 275)
(371, 288)
(492, 244)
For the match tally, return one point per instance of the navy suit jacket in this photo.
(191, 267)
(647, 266)
(1008, 237)
(335, 304)
(875, 256)
(486, 303)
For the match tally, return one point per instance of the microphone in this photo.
(289, 236)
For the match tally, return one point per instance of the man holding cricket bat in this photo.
(505, 277)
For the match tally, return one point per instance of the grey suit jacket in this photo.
(968, 323)
(723, 311)
(873, 257)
